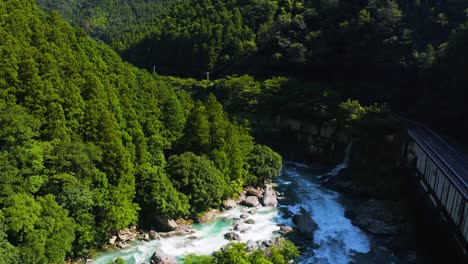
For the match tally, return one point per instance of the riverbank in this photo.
(249, 219)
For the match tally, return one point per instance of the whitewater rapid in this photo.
(207, 238)
(336, 239)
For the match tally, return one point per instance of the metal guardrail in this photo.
(458, 171)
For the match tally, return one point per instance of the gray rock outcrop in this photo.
(167, 224)
(374, 217)
(229, 204)
(269, 196)
(126, 235)
(232, 236)
(286, 229)
(153, 235)
(112, 240)
(305, 223)
(160, 258)
(254, 192)
(251, 201)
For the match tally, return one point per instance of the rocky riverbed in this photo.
(329, 227)
(249, 219)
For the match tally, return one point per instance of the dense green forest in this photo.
(236, 253)
(405, 53)
(90, 144)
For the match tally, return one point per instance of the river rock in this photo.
(305, 223)
(269, 196)
(166, 224)
(179, 232)
(122, 245)
(125, 235)
(251, 201)
(229, 218)
(229, 204)
(267, 243)
(251, 245)
(183, 223)
(123, 231)
(241, 227)
(208, 216)
(250, 221)
(375, 209)
(254, 192)
(373, 217)
(252, 211)
(112, 240)
(232, 236)
(160, 258)
(286, 229)
(153, 235)
(376, 227)
(244, 216)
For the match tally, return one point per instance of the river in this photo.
(334, 242)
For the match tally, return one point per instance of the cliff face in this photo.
(301, 139)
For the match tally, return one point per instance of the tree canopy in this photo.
(90, 144)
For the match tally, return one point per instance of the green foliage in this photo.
(371, 50)
(8, 252)
(351, 110)
(199, 179)
(159, 197)
(85, 137)
(119, 260)
(282, 252)
(265, 164)
(40, 228)
(193, 259)
(233, 253)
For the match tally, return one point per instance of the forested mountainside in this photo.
(112, 21)
(410, 54)
(90, 144)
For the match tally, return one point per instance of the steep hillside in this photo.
(90, 144)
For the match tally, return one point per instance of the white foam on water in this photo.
(336, 237)
(207, 238)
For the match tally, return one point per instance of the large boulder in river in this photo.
(153, 235)
(112, 240)
(374, 217)
(251, 201)
(376, 227)
(161, 258)
(250, 221)
(286, 229)
(229, 204)
(208, 216)
(125, 235)
(305, 223)
(251, 191)
(269, 196)
(166, 224)
(232, 236)
(241, 227)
